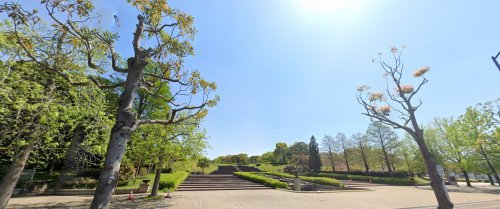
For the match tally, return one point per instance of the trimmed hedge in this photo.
(328, 181)
(261, 179)
(394, 174)
(172, 180)
(381, 180)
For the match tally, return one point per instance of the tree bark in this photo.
(347, 162)
(365, 162)
(125, 124)
(156, 183)
(492, 169)
(437, 183)
(386, 159)
(491, 180)
(71, 159)
(332, 161)
(10, 179)
(466, 176)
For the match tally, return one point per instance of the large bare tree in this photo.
(396, 108)
(68, 45)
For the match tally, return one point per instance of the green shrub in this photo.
(261, 179)
(317, 180)
(381, 180)
(172, 180)
(81, 183)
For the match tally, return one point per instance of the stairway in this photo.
(217, 182)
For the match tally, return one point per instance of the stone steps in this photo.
(217, 182)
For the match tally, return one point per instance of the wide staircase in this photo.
(217, 182)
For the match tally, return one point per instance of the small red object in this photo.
(168, 194)
(131, 196)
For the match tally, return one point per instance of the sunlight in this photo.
(326, 7)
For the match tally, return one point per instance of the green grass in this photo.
(208, 170)
(261, 179)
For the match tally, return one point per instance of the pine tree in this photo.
(314, 157)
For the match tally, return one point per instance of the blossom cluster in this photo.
(406, 89)
(385, 110)
(376, 96)
(421, 71)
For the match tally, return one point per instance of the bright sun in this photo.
(325, 7)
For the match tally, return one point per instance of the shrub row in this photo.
(381, 180)
(261, 179)
(328, 181)
(172, 180)
(394, 174)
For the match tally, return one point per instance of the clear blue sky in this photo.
(288, 69)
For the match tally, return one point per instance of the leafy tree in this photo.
(384, 137)
(299, 164)
(37, 113)
(281, 153)
(481, 131)
(299, 148)
(398, 99)
(267, 157)
(203, 163)
(68, 46)
(254, 159)
(362, 141)
(328, 144)
(343, 147)
(314, 157)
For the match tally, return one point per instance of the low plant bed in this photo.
(261, 179)
(327, 181)
(373, 179)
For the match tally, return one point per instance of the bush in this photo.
(172, 180)
(322, 181)
(261, 179)
(127, 172)
(81, 183)
(395, 174)
(89, 173)
(381, 180)
(317, 180)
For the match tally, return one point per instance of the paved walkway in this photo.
(380, 197)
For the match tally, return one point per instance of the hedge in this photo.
(381, 180)
(261, 179)
(172, 180)
(317, 180)
(393, 174)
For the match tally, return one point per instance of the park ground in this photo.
(482, 196)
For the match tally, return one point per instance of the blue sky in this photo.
(288, 69)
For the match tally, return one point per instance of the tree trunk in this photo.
(493, 171)
(10, 179)
(71, 159)
(466, 176)
(386, 159)
(332, 161)
(125, 123)
(347, 162)
(491, 180)
(367, 169)
(296, 184)
(156, 183)
(437, 183)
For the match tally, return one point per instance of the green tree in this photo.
(314, 157)
(281, 153)
(481, 128)
(385, 138)
(36, 114)
(67, 45)
(267, 157)
(203, 163)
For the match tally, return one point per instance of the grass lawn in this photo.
(270, 167)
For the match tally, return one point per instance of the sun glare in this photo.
(325, 7)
